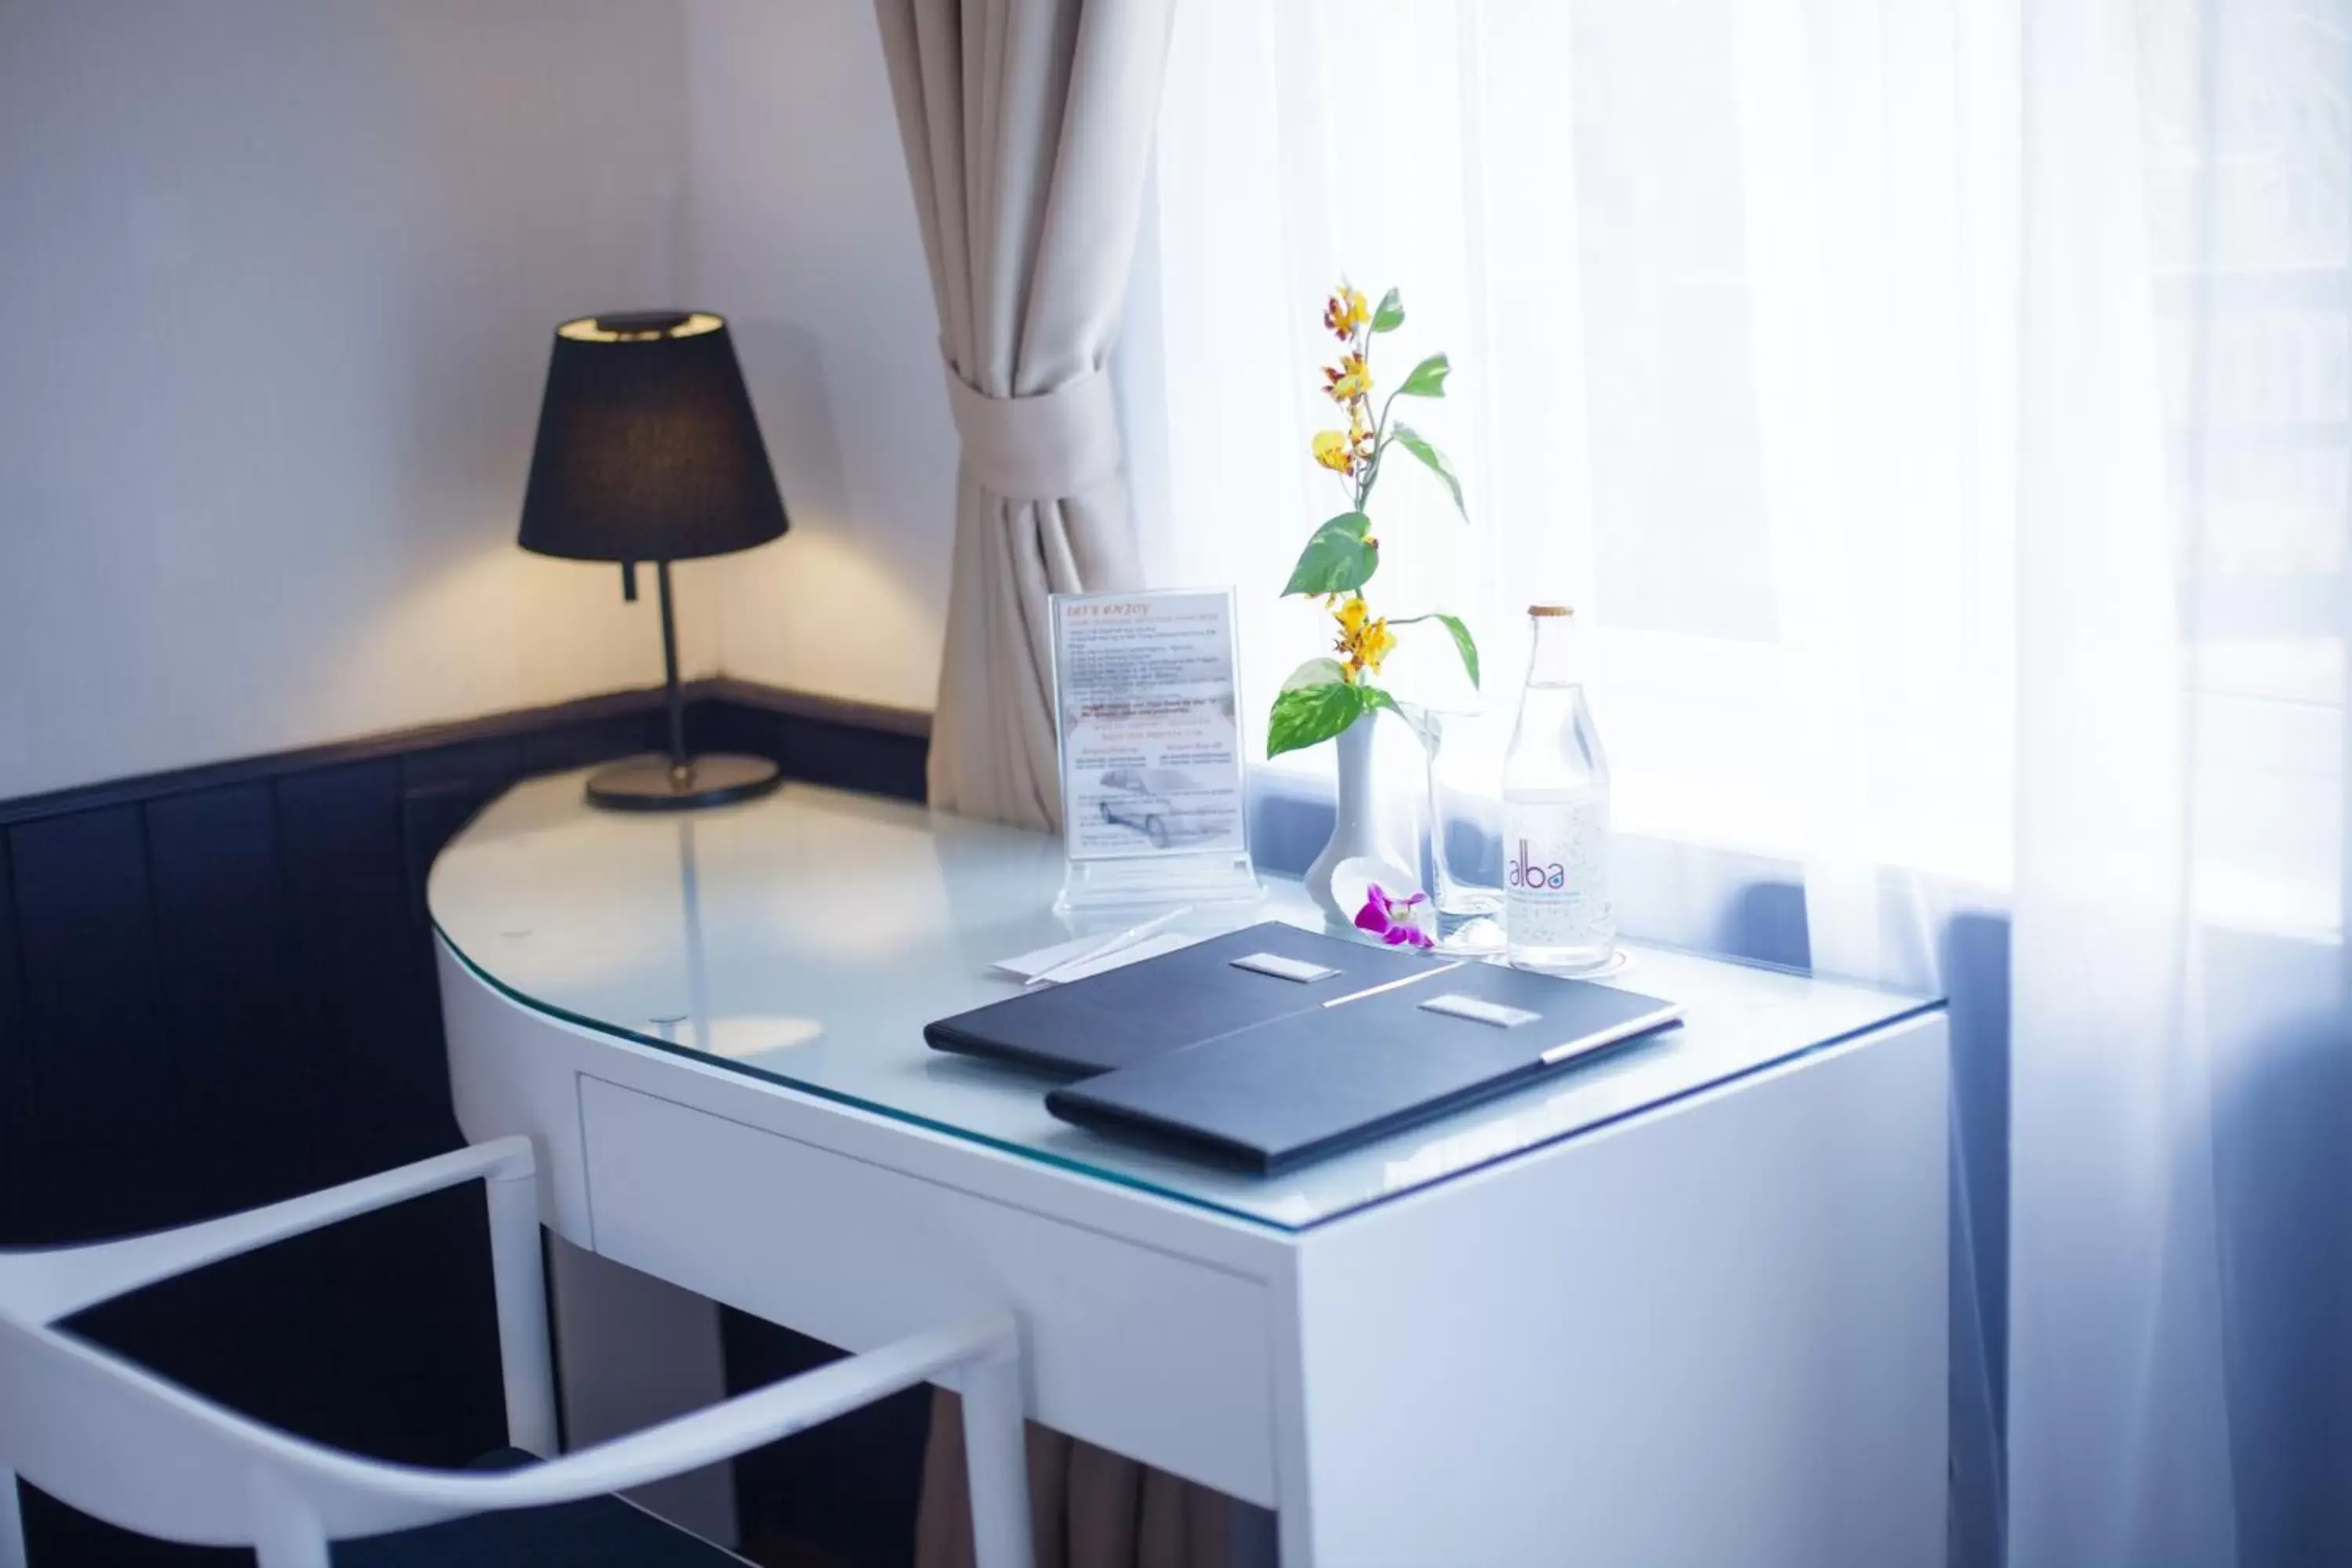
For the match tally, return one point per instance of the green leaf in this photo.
(1463, 642)
(1389, 315)
(1311, 715)
(1412, 441)
(1336, 560)
(1314, 672)
(1373, 697)
(1428, 378)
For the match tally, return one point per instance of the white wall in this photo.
(278, 280)
(804, 237)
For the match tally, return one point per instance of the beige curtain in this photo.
(1090, 1508)
(1027, 126)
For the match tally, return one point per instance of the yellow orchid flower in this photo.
(1377, 643)
(1365, 639)
(1335, 451)
(1345, 313)
(1350, 381)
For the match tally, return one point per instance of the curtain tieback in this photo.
(1056, 444)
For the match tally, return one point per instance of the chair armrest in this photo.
(44, 1286)
(687, 1443)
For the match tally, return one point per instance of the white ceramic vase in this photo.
(1356, 856)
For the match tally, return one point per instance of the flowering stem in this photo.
(1380, 446)
(1362, 403)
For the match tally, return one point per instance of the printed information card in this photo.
(1150, 730)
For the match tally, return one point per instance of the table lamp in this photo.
(648, 450)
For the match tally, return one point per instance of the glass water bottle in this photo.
(1558, 913)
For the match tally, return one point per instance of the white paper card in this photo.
(1029, 965)
(1151, 735)
(1478, 1010)
(1283, 968)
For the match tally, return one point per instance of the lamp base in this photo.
(650, 784)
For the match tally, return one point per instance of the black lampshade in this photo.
(647, 448)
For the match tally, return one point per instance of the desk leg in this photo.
(1714, 1335)
(632, 1350)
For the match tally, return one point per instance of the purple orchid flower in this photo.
(1399, 922)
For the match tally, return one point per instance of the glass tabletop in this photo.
(808, 937)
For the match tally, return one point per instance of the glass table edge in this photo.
(835, 1097)
(1917, 1001)
(1919, 1007)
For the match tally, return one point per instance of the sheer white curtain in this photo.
(2181, 1244)
(1725, 286)
(1938, 411)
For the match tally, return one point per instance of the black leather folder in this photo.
(1177, 999)
(1312, 1084)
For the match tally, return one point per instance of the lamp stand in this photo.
(678, 782)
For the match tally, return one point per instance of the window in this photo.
(1732, 293)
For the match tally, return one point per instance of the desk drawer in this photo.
(1140, 1351)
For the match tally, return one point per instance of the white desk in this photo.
(1683, 1306)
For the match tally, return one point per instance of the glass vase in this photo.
(1462, 845)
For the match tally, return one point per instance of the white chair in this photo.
(119, 1443)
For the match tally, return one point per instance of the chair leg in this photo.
(12, 1523)
(517, 1273)
(290, 1552)
(996, 1462)
(286, 1533)
(293, 1554)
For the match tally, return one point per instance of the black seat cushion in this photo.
(602, 1533)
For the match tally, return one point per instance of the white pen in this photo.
(1109, 945)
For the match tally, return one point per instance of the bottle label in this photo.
(1556, 874)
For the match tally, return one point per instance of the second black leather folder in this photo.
(1300, 1087)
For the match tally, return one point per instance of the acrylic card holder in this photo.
(1148, 725)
